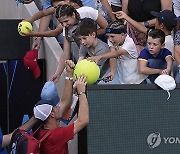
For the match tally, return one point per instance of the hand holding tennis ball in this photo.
(24, 27)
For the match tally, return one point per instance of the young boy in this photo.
(123, 48)
(165, 21)
(155, 59)
(92, 46)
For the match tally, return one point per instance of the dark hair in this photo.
(66, 10)
(86, 26)
(79, 2)
(117, 25)
(157, 33)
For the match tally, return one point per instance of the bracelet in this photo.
(69, 78)
(82, 92)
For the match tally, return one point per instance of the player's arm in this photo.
(83, 113)
(66, 98)
(143, 69)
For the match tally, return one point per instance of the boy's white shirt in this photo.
(127, 64)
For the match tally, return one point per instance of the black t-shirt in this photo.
(139, 10)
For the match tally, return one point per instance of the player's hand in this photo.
(81, 84)
(69, 64)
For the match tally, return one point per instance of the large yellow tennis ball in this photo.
(22, 27)
(88, 68)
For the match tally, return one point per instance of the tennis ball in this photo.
(22, 27)
(88, 68)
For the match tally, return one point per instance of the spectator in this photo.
(165, 20)
(176, 7)
(123, 48)
(5, 139)
(177, 51)
(139, 10)
(56, 142)
(69, 17)
(39, 15)
(116, 5)
(155, 59)
(92, 46)
(105, 9)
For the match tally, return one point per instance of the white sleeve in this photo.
(63, 33)
(88, 12)
(109, 44)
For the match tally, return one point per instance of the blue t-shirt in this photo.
(90, 3)
(146, 55)
(158, 62)
(1, 138)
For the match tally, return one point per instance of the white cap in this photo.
(166, 82)
(42, 110)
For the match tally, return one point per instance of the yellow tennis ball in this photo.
(88, 68)
(22, 27)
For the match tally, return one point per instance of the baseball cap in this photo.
(166, 82)
(167, 17)
(30, 62)
(49, 92)
(42, 109)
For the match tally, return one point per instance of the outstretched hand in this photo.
(120, 15)
(81, 84)
(94, 58)
(109, 77)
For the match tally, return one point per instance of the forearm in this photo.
(150, 71)
(83, 113)
(44, 23)
(112, 63)
(100, 31)
(125, 6)
(166, 4)
(140, 27)
(177, 54)
(6, 140)
(109, 9)
(64, 56)
(66, 99)
(112, 54)
(169, 61)
(29, 124)
(48, 33)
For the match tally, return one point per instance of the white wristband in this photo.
(69, 78)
